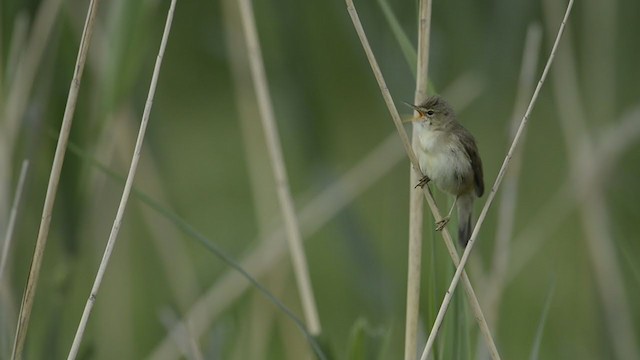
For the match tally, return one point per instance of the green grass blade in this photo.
(535, 350)
(407, 48)
(631, 264)
(366, 342)
(203, 240)
(409, 52)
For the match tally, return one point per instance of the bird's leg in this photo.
(442, 223)
(424, 181)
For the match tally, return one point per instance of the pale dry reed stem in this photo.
(473, 301)
(7, 303)
(492, 194)
(263, 320)
(539, 228)
(22, 69)
(173, 254)
(619, 137)
(15, 52)
(507, 207)
(127, 189)
(414, 265)
(383, 86)
(416, 202)
(187, 344)
(274, 147)
(270, 251)
(464, 90)
(52, 187)
(598, 54)
(424, 31)
(265, 200)
(313, 216)
(293, 350)
(595, 217)
(27, 67)
(509, 196)
(114, 141)
(261, 315)
(13, 215)
(597, 225)
(613, 143)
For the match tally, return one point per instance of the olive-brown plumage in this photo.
(449, 157)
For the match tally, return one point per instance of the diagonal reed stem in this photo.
(274, 148)
(52, 187)
(509, 197)
(494, 189)
(24, 62)
(473, 300)
(598, 233)
(313, 215)
(127, 189)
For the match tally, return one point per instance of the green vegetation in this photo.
(204, 202)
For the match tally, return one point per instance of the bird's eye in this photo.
(430, 113)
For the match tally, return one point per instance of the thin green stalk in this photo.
(409, 52)
(535, 349)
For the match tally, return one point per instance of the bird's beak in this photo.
(420, 115)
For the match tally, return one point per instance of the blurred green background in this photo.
(575, 229)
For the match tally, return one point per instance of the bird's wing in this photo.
(470, 147)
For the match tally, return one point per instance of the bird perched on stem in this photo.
(449, 158)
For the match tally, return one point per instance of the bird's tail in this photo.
(465, 219)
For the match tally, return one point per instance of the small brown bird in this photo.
(449, 157)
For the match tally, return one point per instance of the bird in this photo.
(448, 156)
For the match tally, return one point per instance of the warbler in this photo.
(448, 157)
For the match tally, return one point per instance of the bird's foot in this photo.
(424, 181)
(442, 223)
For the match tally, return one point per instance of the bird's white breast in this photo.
(444, 160)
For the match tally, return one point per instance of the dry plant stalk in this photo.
(492, 194)
(177, 266)
(473, 300)
(613, 143)
(23, 65)
(274, 148)
(416, 202)
(261, 316)
(52, 187)
(507, 208)
(270, 250)
(593, 209)
(315, 214)
(29, 63)
(175, 261)
(509, 197)
(127, 189)
(12, 217)
(187, 343)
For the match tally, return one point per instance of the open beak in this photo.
(416, 109)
